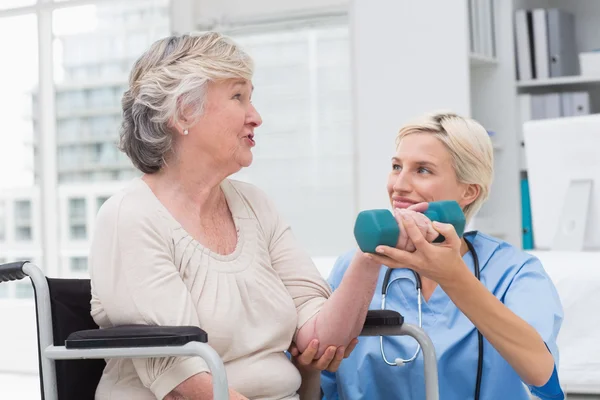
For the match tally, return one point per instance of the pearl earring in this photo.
(185, 132)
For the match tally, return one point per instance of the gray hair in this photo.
(168, 79)
(470, 148)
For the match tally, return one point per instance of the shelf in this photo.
(480, 60)
(560, 81)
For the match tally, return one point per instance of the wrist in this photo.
(308, 372)
(459, 279)
(365, 261)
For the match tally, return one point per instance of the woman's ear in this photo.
(179, 128)
(470, 194)
(183, 121)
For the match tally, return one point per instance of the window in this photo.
(100, 201)
(304, 153)
(18, 113)
(77, 209)
(77, 218)
(78, 264)
(7, 4)
(95, 47)
(23, 211)
(24, 290)
(3, 290)
(23, 221)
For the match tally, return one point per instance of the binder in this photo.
(562, 44)
(581, 103)
(552, 107)
(540, 44)
(474, 31)
(528, 239)
(567, 104)
(525, 114)
(522, 45)
(538, 106)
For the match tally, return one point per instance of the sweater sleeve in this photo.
(294, 266)
(136, 281)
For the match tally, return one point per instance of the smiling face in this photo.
(225, 131)
(422, 171)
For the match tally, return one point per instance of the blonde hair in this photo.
(169, 78)
(470, 148)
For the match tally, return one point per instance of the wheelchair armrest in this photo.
(380, 318)
(12, 271)
(135, 336)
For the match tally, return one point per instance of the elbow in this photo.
(306, 334)
(542, 371)
(326, 337)
(539, 380)
(196, 387)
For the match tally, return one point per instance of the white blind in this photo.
(305, 147)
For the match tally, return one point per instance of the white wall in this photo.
(409, 57)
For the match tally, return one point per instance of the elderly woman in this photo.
(491, 310)
(185, 245)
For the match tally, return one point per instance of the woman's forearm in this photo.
(310, 389)
(198, 387)
(343, 315)
(516, 341)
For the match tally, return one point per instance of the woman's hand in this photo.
(438, 262)
(329, 361)
(424, 224)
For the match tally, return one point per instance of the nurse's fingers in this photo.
(350, 347)
(449, 233)
(293, 350)
(328, 358)
(393, 258)
(307, 357)
(335, 363)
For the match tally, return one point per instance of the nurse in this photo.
(513, 305)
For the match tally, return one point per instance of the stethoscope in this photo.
(399, 361)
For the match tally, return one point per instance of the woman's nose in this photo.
(254, 117)
(402, 183)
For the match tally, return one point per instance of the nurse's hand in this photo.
(436, 261)
(329, 361)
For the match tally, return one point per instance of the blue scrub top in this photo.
(513, 276)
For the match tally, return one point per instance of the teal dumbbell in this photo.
(379, 227)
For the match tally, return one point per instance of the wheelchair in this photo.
(72, 348)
